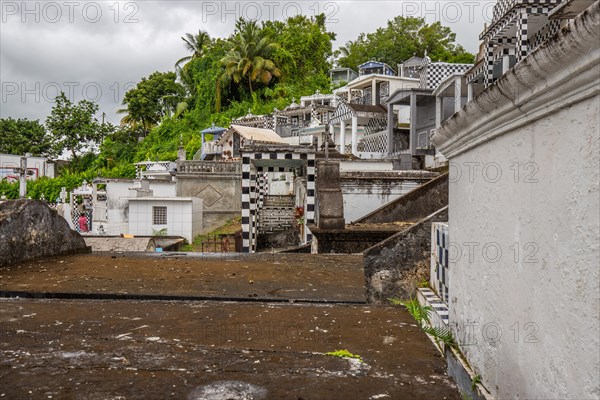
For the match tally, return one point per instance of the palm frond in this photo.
(181, 108)
(441, 333)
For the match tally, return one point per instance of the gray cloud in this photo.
(97, 49)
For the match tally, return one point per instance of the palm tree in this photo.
(249, 57)
(189, 85)
(186, 77)
(196, 44)
(133, 123)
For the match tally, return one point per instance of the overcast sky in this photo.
(98, 49)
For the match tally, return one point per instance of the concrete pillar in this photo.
(354, 134)
(505, 64)
(390, 127)
(331, 133)
(329, 196)
(413, 123)
(470, 91)
(522, 34)
(438, 111)
(181, 154)
(489, 79)
(343, 137)
(457, 94)
(63, 194)
(374, 92)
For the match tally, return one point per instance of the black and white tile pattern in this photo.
(512, 25)
(439, 261)
(436, 303)
(433, 74)
(253, 187)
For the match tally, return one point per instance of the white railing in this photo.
(211, 147)
(209, 167)
(151, 168)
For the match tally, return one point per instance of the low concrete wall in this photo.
(395, 266)
(413, 206)
(348, 241)
(279, 240)
(120, 244)
(29, 229)
(217, 184)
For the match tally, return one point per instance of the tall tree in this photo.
(249, 58)
(73, 126)
(196, 44)
(402, 38)
(151, 99)
(119, 146)
(304, 46)
(20, 136)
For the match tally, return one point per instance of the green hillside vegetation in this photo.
(261, 66)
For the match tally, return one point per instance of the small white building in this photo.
(165, 216)
(36, 167)
(148, 207)
(374, 89)
(362, 111)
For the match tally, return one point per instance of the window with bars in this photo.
(159, 215)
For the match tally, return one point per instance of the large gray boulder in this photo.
(29, 229)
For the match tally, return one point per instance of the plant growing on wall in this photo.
(421, 314)
(159, 232)
(299, 215)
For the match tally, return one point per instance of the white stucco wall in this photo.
(365, 196)
(39, 165)
(404, 83)
(197, 218)
(524, 196)
(117, 204)
(278, 187)
(163, 189)
(183, 217)
(366, 165)
(403, 113)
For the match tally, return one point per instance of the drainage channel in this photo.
(158, 297)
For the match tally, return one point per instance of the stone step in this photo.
(279, 201)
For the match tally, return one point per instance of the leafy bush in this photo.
(49, 188)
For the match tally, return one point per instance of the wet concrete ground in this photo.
(284, 276)
(217, 350)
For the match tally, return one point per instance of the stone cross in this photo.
(63, 194)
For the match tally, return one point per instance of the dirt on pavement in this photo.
(283, 276)
(213, 350)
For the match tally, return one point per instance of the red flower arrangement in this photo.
(299, 215)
